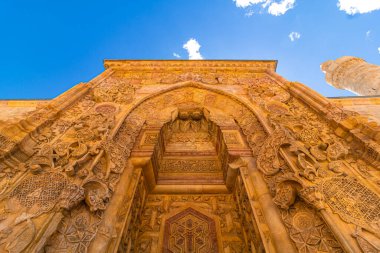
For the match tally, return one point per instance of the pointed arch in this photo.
(259, 114)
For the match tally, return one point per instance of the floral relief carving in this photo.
(96, 195)
(42, 137)
(115, 90)
(150, 138)
(35, 195)
(170, 165)
(319, 153)
(269, 162)
(265, 87)
(68, 117)
(286, 194)
(205, 76)
(64, 156)
(72, 159)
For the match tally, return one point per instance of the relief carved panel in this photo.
(75, 232)
(354, 202)
(66, 162)
(199, 165)
(219, 209)
(308, 231)
(190, 231)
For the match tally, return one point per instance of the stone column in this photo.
(281, 240)
(353, 74)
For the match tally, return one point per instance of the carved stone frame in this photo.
(183, 208)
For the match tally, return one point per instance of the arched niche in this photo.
(157, 109)
(236, 124)
(190, 151)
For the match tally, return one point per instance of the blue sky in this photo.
(46, 47)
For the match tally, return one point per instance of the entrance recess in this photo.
(195, 198)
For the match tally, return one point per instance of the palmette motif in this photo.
(67, 163)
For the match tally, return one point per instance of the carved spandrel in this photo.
(10, 170)
(253, 130)
(115, 90)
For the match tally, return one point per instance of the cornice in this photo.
(248, 65)
(360, 100)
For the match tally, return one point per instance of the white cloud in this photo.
(378, 49)
(246, 3)
(192, 46)
(353, 7)
(294, 36)
(368, 33)
(176, 55)
(249, 13)
(275, 7)
(281, 8)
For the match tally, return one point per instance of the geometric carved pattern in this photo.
(75, 232)
(352, 201)
(222, 207)
(308, 230)
(98, 146)
(40, 192)
(190, 231)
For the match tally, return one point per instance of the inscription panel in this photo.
(189, 166)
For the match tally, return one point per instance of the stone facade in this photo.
(368, 106)
(14, 110)
(190, 156)
(353, 74)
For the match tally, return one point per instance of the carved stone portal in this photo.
(190, 156)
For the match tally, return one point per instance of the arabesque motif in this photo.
(74, 179)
